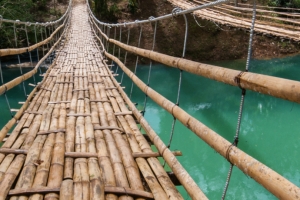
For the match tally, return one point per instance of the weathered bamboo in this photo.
(39, 190)
(57, 162)
(128, 161)
(272, 181)
(6, 52)
(10, 176)
(66, 190)
(160, 173)
(274, 86)
(11, 84)
(154, 154)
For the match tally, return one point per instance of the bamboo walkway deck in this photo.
(75, 140)
(264, 27)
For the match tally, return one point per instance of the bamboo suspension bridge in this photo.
(78, 135)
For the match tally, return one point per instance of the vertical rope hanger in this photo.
(21, 71)
(120, 38)
(150, 66)
(41, 30)
(6, 98)
(107, 42)
(237, 80)
(174, 13)
(112, 62)
(137, 59)
(29, 52)
(37, 50)
(126, 52)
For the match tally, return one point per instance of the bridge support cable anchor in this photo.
(238, 81)
(137, 59)
(150, 66)
(21, 71)
(126, 52)
(30, 57)
(174, 13)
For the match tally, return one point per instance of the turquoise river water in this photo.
(269, 130)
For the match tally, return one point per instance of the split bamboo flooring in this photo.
(77, 139)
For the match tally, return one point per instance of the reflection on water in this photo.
(269, 129)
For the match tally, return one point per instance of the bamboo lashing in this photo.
(271, 180)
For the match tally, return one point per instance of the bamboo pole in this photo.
(10, 176)
(66, 190)
(277, 87)
(11, 84)
(160, 173)
(268, 178)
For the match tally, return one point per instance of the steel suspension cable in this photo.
(42, 40)
(37, 50)
(112, 62)
(29, 53)
(236, 137)
(175, 11)
(46, 38)
(120, 38)
(150, 68)
(21, 71)
(126, 52)
(107, 43)
(5, 95)
(137, 60)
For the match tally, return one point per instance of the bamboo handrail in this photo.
(15, 51)
(271, 180)
(273, 86)
(11, 84)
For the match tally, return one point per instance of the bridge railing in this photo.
(278, 87)
(51, 34)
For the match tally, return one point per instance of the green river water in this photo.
(269, 130)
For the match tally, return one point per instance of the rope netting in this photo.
(242, 79)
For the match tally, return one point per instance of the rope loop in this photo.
(176, 11)
(151, 18)
(28, 24)
(137, 22)
(17, 22)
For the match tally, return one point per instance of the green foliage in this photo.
(16, 9)
(132, 6)
(104, 11)
(284, 3)
(113, 12)
(101, 9)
